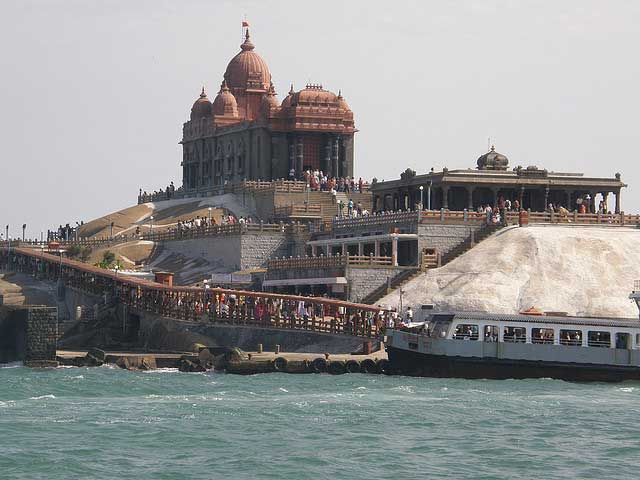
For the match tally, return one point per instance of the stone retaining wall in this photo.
(444, 237)
(363, 281)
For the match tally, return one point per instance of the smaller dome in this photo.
(313, 94)
(269, 100)
(342, 103)
(493, 160)
(201, 108)
(287, 100)
(225, 103)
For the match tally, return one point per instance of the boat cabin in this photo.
(529, 329)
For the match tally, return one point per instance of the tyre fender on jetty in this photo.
(280, 364)
(352, 366)
(337, 367)
(319, 365)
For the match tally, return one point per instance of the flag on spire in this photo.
(245, 23)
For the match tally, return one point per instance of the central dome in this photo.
(247, 67)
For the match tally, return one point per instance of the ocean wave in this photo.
(11, 365)
(42, 397)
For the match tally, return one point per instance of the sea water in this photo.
(106, 423)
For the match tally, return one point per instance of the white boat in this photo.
(482, 345)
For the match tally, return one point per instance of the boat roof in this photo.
(543, 319)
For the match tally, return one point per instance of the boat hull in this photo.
(406, 362)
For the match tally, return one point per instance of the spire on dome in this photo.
(223, 86)
(202, 94)
(247, 45)
(291, 91)
(339, 93)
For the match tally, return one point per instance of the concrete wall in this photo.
(160, 333)
(42, 333)
(443, 237)
(363, 281)
(257, 248)
(198, 257)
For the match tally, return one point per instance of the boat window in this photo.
(623, 340)
(599, 339)
(466, 332)
(570, 337)
(491, 333)
(541, 335)
(515, 334)
(440, 329)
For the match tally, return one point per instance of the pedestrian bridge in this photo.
(202, 305)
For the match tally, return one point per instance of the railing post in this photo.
(442, 214)
(622, 218)
(575, 216)
(465, 215)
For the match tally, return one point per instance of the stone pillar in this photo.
(494, 191)
(327, 158)
(300, 156)
(344, 249)
(314, 251)
(360, 248)
(376, 248)
(445, 197)
(292, 155)
(546, 198)
(618, 201)
(594, 207)
(335, 170)
(394, 251)
(605, 200)
(521, 197)
(470, 198)
(569, 206)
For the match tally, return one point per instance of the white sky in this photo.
(93, 94)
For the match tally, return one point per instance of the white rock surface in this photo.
(585, 271)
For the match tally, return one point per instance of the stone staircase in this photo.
(328, 205)
(405, 276)
(471, 241)
(396, 282)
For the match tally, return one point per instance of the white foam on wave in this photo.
(42, 397)
(11, 365)
(283, 390)
(627, 389)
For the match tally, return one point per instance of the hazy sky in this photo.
(93, 94)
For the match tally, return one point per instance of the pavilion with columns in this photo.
(533, 187)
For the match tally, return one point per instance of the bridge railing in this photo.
(330, 261)
(204, 305)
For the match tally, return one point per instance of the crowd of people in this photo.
(277, 311)
(64, 233)
(161, 194)
(200, 223)
(318, 181)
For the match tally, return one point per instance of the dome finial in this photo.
(223, 86)
(247, 45)
(202, 94)
(291, 90)
(493, 148)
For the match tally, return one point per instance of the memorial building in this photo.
(245, 133)
(532, 187)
